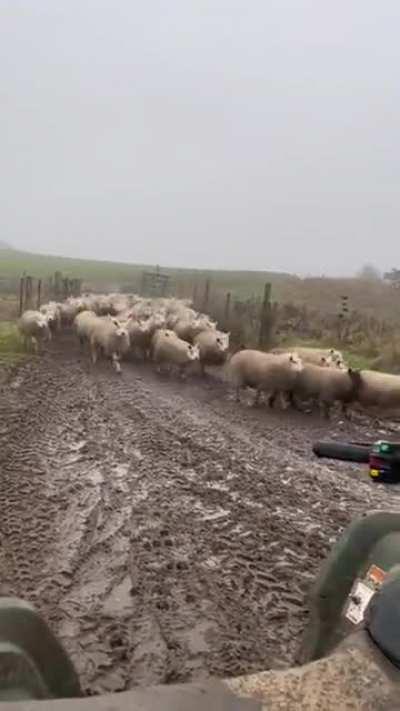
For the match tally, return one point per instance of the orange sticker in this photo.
(376, 575)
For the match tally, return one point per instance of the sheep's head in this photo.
(121, 330)
(295, 362)
(222, 341)
(193, 352)
(330, 362)
(335, 355)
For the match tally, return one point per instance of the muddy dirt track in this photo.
(165, 532)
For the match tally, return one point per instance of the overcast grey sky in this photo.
(254, 134)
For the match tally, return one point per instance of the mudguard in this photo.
(361, 559)
(33, 664)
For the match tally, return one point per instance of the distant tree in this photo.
(393, 275)
(369, 273)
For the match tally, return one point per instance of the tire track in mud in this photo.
(164, 532)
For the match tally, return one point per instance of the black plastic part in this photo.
(346, 451)
(383, 620)
(23, 628)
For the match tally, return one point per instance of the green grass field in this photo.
(14, 263)
(11, 346)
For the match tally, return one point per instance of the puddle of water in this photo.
(212, 563)
(16, 383)
(217, 485)
(120, 600)
(196, 637)
(95, 477)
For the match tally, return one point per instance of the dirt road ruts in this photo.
(165, 532)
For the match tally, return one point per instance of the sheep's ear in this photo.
(291, 359)
(115, 322)
(323, 359)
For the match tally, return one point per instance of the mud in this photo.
(165, 532)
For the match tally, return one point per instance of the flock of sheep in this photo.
(167, 330)
(171, 333)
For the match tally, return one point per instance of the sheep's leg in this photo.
(35, 345)
(94, 353)
(325, 409)
(237, 397)
(256, 400)
(345, 411)
(116, 363)
(158, 368)
(283, 396)
(272, 398)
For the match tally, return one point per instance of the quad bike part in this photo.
(346, 451)
(384, 462)
(356, 677)
(355, 569)
(382, 457)
(33, 664)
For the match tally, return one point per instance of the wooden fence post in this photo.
(21, 295)
(227, 310)
(264, 339)
(28, 292)
(65, 288)
(39, 294)
(57, 286)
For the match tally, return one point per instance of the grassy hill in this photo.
(13, 263)
(375, 298)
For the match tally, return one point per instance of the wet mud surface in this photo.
(165, 532)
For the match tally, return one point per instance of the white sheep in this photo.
(83, 325)
(381, 390)
(316, 356)
(265, 372)
(111, 337)
(34, 329)
(213, 347)
(52, 311)
(169, 349)
(326, 385)
(188, 328)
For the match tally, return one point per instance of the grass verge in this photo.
(11, 347)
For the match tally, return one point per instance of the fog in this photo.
(226, 134)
